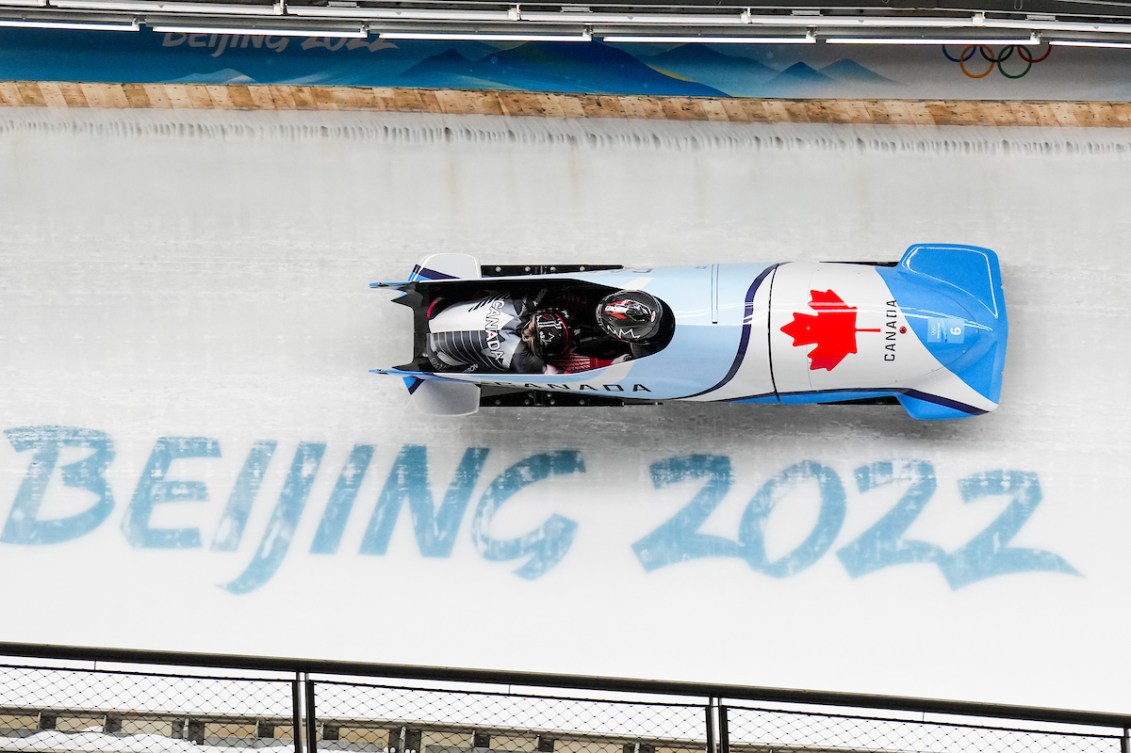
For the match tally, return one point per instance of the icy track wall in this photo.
(195, 457)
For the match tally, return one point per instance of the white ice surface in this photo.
(164, 276)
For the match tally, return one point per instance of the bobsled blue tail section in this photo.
(954, 295)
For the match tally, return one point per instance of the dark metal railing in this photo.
(94, 699)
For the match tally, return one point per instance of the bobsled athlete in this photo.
(505, 334)
(496, 334)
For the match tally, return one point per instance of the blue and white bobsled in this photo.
(928, 332)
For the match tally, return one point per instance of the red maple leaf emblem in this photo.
(832, 329)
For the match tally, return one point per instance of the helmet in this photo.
(551, 333)
(630, 315)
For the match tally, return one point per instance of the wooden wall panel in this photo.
(460, 102)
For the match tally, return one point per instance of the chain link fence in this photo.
(765, 730)
(88, 707)
(65, 709)
(410, 720)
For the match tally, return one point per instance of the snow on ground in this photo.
(64, 742)
(204, 279)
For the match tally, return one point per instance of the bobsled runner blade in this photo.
(424, 376)
(436, 395)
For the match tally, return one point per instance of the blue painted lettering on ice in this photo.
(409, 481)
(153, 488)
(883, 545)
(276, 539)
(752, 528)
(338, 508)
(679, 538)
(546, 546)
(24, 524)
(229, 532)
(436, 511)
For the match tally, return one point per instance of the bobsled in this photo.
(928, 332)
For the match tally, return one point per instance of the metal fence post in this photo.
(1125, 743)
(296, 712)
(311, 718)
(710, 708)
(724, 730)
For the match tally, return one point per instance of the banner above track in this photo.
(796, 71)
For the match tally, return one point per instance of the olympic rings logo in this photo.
(996, 61)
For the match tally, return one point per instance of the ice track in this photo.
(204, 277)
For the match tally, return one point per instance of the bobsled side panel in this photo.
(831, 396)
(843, 327)
(838, 326)
(742, 305)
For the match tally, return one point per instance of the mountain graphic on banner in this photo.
(450, 69)
(702, 63)
(802, 72)
(740, 76)
(851, 71)
(593, 68)
(310, 65)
